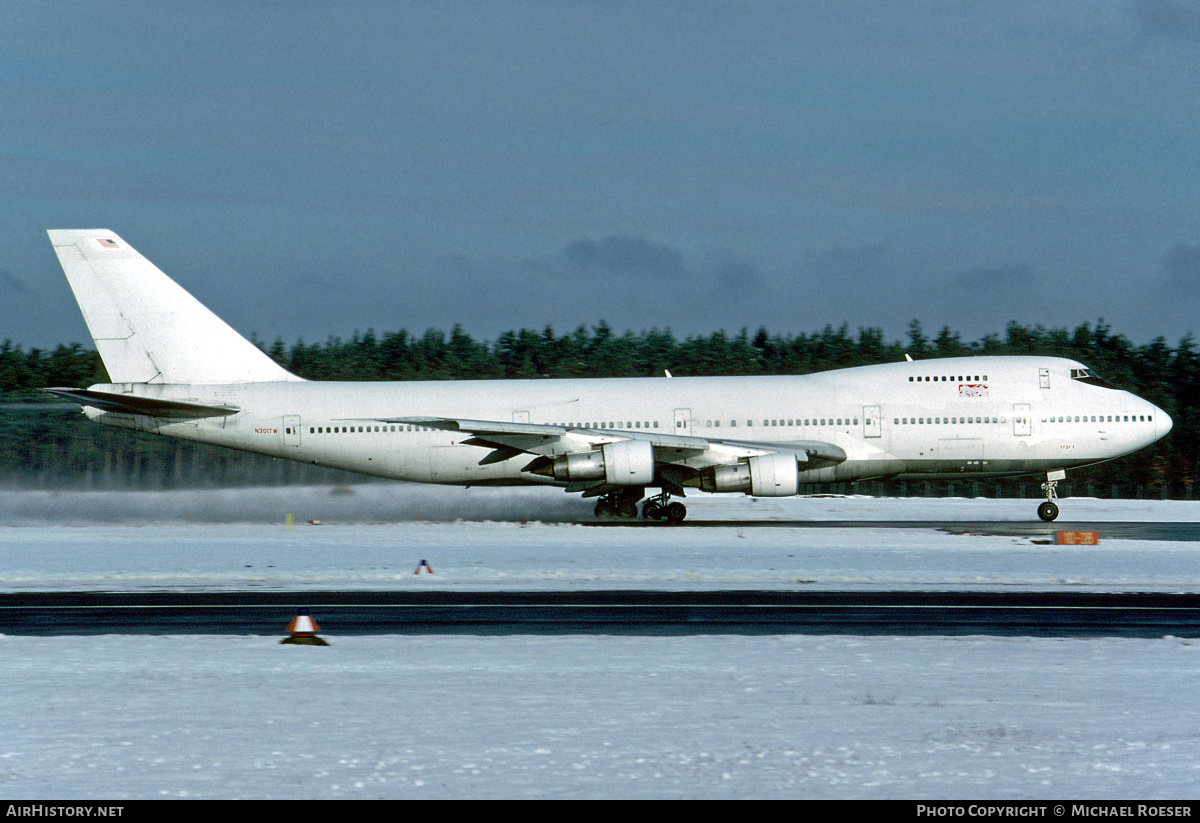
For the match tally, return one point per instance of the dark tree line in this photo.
(58, 447)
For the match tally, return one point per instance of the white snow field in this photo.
(135, 716)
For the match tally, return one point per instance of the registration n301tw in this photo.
(181, 371)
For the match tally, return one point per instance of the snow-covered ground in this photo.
(572, 716)
(793, 716)
(153, 541)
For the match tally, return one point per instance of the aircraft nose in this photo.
(1162, 423)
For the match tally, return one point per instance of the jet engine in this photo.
(624, 463)
(768, 475)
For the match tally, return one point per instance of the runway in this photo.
(626, 613)
(1185, 532)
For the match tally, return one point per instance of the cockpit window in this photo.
(1091, 378)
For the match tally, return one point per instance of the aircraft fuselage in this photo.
(970, 415)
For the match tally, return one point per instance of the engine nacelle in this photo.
(628, 462)
(624, 463)
(768, 475)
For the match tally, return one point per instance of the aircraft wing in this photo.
(675, 456)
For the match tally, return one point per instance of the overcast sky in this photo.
(313, 169)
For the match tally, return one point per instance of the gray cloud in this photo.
(1182, 269)
(625, 256)
(852, 263)
(10, 284)
(999, 278)
(1171, 19)
(732, 275)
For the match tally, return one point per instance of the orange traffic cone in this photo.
(424, 566)
(303, 631)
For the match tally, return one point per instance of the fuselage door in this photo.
(1043, 378)
(683, 421)
(871, 422)
(1021, 419)
(291, 430)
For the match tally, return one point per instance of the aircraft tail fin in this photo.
(146, 327)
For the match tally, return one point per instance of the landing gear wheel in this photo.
(676, 512)
(1048, 511)
(652, 510)
(605, 508)
(627, 509)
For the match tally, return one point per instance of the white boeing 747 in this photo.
(180, 371)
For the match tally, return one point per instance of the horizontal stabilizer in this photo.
(132, 404)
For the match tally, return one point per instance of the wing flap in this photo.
(507, 440)
(497, 433)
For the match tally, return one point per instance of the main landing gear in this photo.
(1049, 510)
(615, 505)
(655, 508)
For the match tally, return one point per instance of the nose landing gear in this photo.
(1049, 510)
